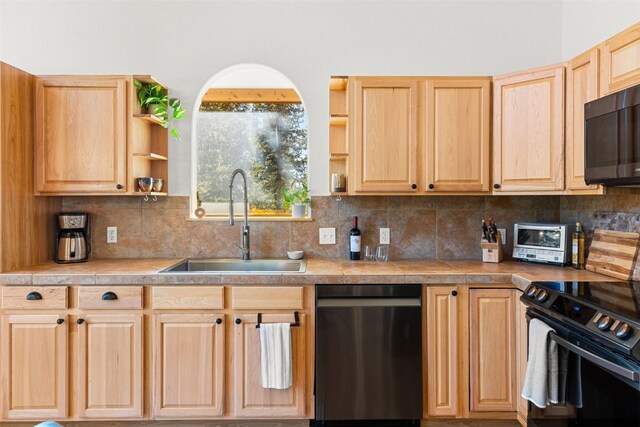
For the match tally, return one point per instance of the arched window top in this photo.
(251, 117)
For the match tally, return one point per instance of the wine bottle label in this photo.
(354, 245)
(574, 252)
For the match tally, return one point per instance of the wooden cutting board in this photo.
(613, 253)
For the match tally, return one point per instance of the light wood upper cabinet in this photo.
(189, 365)
(81, 134)
(582, 87)
(34, 366)
(250, 399)
(109, 366)
(529, 131)
(492, 356)
(457, 118)
(385, 129)
(620, 64)
(443, 355)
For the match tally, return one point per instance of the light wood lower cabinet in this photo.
(189, 365)
(522, 349)
(250, 399)
(34, 366)
(109, 366)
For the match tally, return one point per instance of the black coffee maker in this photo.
(72, 237)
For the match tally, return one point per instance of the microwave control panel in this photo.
(545, 256)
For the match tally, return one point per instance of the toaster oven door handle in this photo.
(597, 360)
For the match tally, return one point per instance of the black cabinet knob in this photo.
(454, 293)
(33, 296)
(496, 186)
(218, 321)
(118, 186)
(60, 321)
(238, 321)
(431, 186)
(109, 296)
(80, 321)
(414, 186)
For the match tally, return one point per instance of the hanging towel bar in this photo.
(295, 324)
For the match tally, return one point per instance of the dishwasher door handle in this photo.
(368, 302)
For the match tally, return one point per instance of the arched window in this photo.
(252, 118)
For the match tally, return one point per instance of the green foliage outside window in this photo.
(268, 141)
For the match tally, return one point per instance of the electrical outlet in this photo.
(385, 234)
(503, 235)
(112, 234)
(327, 236)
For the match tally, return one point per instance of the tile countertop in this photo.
(146, 272)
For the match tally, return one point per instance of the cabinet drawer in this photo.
(188, 297)
(267, 297)
(34, 297)
(109, 297)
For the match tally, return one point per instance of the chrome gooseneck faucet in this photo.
(245, 228)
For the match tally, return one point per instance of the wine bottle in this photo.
(577, 252)
(354, 240)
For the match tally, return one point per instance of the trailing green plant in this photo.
(295, 196)
(154, 94)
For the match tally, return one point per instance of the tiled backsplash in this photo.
(444, 227)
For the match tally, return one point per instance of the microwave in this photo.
(612, 139)
(543, 243)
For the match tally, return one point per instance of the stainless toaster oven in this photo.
(544, 243)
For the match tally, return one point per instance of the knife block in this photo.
(492, 252)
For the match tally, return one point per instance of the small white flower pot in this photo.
(298, 210)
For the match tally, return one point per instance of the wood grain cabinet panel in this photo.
(582, 87)
(267, 297)
(81, 134)
(34, 297)
(385, 134)
(34, 366)
(109, 366)
(188, 297)
(457, 114)
(189, 354)
(620, 65)
(250, 400)
(109, 297)
(522, 348)
(492, 349)
(528, 120)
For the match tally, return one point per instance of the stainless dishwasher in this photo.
(368, 355)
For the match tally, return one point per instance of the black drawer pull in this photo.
(32, 296)
(60, 321)
(238, 321)
(219, 321)
(80, 321)
(454, 293)
(109, 296)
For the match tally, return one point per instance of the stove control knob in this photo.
(604, 323)
(542, 295)
(532, 292)
(624, 331)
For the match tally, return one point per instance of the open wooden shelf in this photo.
(338, 120)
(149, 117)
(151, 156)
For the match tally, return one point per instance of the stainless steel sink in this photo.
(228, 265)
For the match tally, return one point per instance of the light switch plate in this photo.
(327, 236)
(385, 236)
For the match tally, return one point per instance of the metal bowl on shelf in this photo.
(157, 185)
(145, 184)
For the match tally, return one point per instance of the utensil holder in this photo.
(492, 252)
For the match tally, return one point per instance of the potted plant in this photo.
(297, 198)
(153, 97)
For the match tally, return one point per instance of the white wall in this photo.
(586, 25)
(306, 40)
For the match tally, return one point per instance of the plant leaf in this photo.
(175, 133)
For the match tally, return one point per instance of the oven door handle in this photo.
(597, 360)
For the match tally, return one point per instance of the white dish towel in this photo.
(541, 378)
(275, 355)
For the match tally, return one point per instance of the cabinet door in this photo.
(250, 399)
(457, 134)
(492, 350)
(529, 131)
(620, 66)
(582, 87)
(109, 366)
(443, 356)
(34, 366)
(81, 138)
(522, 349)
(385, 134)
(189, 365)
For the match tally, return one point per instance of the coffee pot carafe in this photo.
(72, 237)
